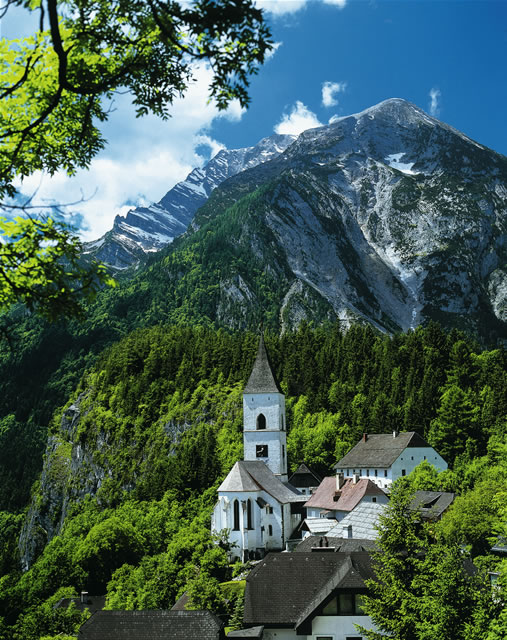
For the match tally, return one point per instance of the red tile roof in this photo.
(349, 497)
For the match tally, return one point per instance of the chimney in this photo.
(395, 434)
(339, 481)
(355, 478)
(83, 596)
(365, 437)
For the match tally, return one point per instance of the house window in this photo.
(385, 473)
(348, 472)
(325, 638)
(236, 515)
(270, 530)
(283, 451)
(261, 421)
(283, 423)
(353, 637)
(331, 608)
(367, 473)
(249, 514)
(269, 509)
(346, 603)
(403, 472)
(261, 450)
(374, 499)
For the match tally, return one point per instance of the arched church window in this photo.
(261, 421)
(249, 514)
(236, 515)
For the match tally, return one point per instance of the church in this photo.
(256, 503)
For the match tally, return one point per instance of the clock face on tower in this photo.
(261, 450)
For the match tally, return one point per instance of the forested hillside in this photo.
(135, 456)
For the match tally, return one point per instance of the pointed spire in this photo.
(262, 379)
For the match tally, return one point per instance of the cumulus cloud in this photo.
(434, 105)
(299, 119)
(329, 92)
(281, 7)
(144, 159)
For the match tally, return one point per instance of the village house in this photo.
(256, 504)
(149, 625)
(312, 596)
(383, 457)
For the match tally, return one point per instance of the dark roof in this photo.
(431, 504)
(304, 477)
(253, 632)
(282, 585)
(312, 544)
(262, 379)
(348, 497)
(152, 625)
(380, 450)
(92, 603)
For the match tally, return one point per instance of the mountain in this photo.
(148, 229)
(387, 216)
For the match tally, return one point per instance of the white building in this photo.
(256, 504)
(383, 457)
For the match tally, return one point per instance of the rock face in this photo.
(148, 229)
(386, 216)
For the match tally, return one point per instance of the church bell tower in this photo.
(264, 426)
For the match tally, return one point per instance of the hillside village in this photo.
(308, 541)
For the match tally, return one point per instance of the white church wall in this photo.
(266, 532)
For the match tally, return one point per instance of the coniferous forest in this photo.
(134, 456)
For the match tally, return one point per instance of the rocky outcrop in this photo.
(147, 229)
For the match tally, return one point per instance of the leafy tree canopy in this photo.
(55, 89)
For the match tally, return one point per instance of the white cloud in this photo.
(271, 52)
(281, 7)
(298, 120)
(330, 90)
(144, 158)
(337, 3)
(434, 105)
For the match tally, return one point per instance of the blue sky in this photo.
(333, 58)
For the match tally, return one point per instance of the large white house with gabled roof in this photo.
(385, 457)
(256, 504)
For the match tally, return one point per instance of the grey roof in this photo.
(431, 504)
(238, 479)
(255, 475)
(363, 520)
(283, 585)
(304, 477)
(319, 525)
(152, 625)
(253, 632)
(262, 379)
(380, 450)
(344, 545)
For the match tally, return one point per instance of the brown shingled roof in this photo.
(349, 497)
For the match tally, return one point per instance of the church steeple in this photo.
(264, 435)
(262, 379)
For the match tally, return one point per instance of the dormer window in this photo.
(261, 421)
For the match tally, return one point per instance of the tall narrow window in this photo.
(270, 530)
(261, 421)
(249, 514)
(236, 515)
